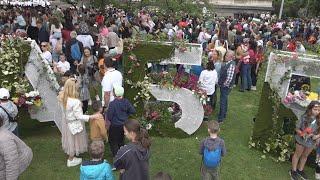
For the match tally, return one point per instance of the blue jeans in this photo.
(246, 76)
(224, 93)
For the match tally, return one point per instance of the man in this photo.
(74, 49)
(111, 78)
(226, 80)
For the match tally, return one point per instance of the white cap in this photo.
(4, 93)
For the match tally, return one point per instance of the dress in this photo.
(78, 143)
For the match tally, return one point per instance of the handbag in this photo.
(75, 127)
(11, 119)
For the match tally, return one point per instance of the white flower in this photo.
(29, 103)
(170, 109)
(148, 126)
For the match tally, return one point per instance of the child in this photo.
(84, 87)
(96, 168)
(98, 131)
(133, 159)
(211, 149)
(118, 112)
(306, 135)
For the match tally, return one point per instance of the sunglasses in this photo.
(42, 45)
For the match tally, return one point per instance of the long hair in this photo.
(69, 91)
(55, 21)
(142, 134)
(308, 113)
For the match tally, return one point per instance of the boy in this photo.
(96, 168)
(98, 131)
(211, 149)
(118, 112)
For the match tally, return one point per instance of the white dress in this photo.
(78, 143)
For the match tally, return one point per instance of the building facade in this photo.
(237, 8)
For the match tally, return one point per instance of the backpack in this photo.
(75, 51)
(211, 159)
(11, 119)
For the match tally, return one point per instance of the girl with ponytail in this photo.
(133, 159)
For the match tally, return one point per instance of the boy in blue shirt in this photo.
(96, 168)
(212, 149)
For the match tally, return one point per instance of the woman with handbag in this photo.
(74, 136)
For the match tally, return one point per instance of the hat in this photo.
(118, 90)
(4, 93)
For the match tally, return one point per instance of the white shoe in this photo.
(317, 176)
(253, 88)
(97, 98)
(75, 162)
(89, 102)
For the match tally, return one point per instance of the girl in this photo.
(90, 61)
(74, 136)
(208, 80)
(46, 52)
(307, 131)
(133, 159)
(83, 87)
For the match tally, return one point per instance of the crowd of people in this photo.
(85, 47)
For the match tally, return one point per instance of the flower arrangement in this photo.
(302, 98)
(144, 89)
(31, 98)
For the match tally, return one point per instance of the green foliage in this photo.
(274, 126)
(13, 58)
(145, 53)
(291, 7)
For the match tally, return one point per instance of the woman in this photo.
(215, 57)
(32, 29)
(74, 136)
(307, 132)
(245, 67)
(253, 61)
(133, 159)
(90, 63)
(208, 80)
(15, 155)
(46, 52)
(56, 38)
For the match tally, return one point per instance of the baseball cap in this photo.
(118, 90)
(4, 93)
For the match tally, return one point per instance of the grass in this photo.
(179, 157)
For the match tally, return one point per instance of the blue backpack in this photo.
(75, 51)
(211, 159)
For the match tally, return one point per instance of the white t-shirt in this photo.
(208, 80)
(63, 66)
(47, 56)
(86, 40)
(112, 77)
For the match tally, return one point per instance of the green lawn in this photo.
(179, 157)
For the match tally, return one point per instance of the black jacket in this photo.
(134, 159)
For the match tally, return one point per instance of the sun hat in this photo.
(4, 93)
(118, 90)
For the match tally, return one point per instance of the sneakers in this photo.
(317, 176)
(75, 162)
(253, 88)
(302, 175)
(294, 175)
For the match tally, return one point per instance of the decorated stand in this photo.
(143, 84)
(283, 102)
